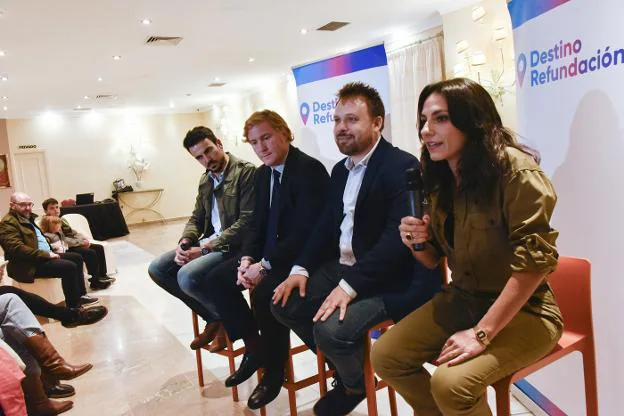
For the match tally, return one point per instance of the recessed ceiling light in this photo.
(171, 104)
(4, 78)
(4, 97)
(78, 107)
(188, 94)
(85, 97)
(5, 108)
(303, 31)
(252, 59)
(146, 21)
(216, 79)
(2, 53)
(100, 79)
(117, 57)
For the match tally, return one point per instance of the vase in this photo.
(138, 184)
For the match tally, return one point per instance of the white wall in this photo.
(458, 25)
(86, 153)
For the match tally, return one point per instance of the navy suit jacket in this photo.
(384, 265)
(303, 189)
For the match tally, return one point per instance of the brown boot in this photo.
(210, 331)
(50, 360)
(219, 343)
(37, 402)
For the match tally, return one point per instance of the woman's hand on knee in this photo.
(460, 347)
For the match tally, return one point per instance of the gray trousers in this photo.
(17, 323)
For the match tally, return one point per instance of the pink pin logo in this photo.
(304, 111)
(521, 67)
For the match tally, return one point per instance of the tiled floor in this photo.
(142, 363)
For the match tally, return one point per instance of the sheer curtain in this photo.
(411, 68)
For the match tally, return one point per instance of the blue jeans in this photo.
(342, 343)
(185, 282)
(16, 324)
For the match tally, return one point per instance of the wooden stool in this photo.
(369, 374)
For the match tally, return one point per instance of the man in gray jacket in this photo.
(215, 231)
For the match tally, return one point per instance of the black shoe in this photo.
(250, 364)
(86, 316)
(59, 391)
(54, 389)
(267, 390)
(98, 284)
(338, 401)
(86, 300)
(106, 279)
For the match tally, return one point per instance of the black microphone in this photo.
(185, 245)
(414, 186)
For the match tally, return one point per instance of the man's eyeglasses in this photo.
(24, 204)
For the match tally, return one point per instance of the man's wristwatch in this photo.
(205, 251)
(481, 336)
(263, 272)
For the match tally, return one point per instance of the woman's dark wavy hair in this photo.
(482, 161)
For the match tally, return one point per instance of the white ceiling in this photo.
(56, 49)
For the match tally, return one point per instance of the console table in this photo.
(141, 201)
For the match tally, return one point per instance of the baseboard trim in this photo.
(165, 221)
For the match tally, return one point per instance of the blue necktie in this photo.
(271, 230)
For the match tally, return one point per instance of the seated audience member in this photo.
(290, 193)
(30, 255)
(21, 331)
(354, 272)
(490, 210)
(51, 228)
(92, 254)
(11, 395)
(214, 233)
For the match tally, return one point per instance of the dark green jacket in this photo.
(19, 242)
(235, 196)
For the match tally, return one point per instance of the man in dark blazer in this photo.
(354, 271)
(290, 191)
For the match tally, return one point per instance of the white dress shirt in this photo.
(349, 200)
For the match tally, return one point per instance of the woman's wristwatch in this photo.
(481, 336)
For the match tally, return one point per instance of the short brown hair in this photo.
(47, 221)
(275, 120)
(49, 201)
(369, 94)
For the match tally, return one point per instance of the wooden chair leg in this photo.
(503, 402)
(393, 402)
(369, 380)
(198, 356)
(322, 373)
(290, 375)
(232, 365)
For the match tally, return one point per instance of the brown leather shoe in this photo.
(37, 403)
(50, 360)
(219, 343)
(210, 331)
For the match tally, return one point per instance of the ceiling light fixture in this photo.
(117, 57)
(303, 31)
(100, 79)
(2, 53)
(171, 104)
(216, 79)
(252, 59)
(4, 97)
(146, 21)
(4, 78)
(85, 97)
(5, 108)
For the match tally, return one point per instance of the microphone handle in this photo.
(414, 198)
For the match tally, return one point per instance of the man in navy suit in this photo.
(290, 191)
(354, 271)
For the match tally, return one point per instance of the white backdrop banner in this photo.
(317, 85)
(570, 92)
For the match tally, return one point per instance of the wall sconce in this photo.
(478, 59)
(460, 70)
(499, 33)
(478, 13)
(461, 46)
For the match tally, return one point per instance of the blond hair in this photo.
(275, 121)
(47, 221)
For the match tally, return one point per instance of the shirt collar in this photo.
(364, 162)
